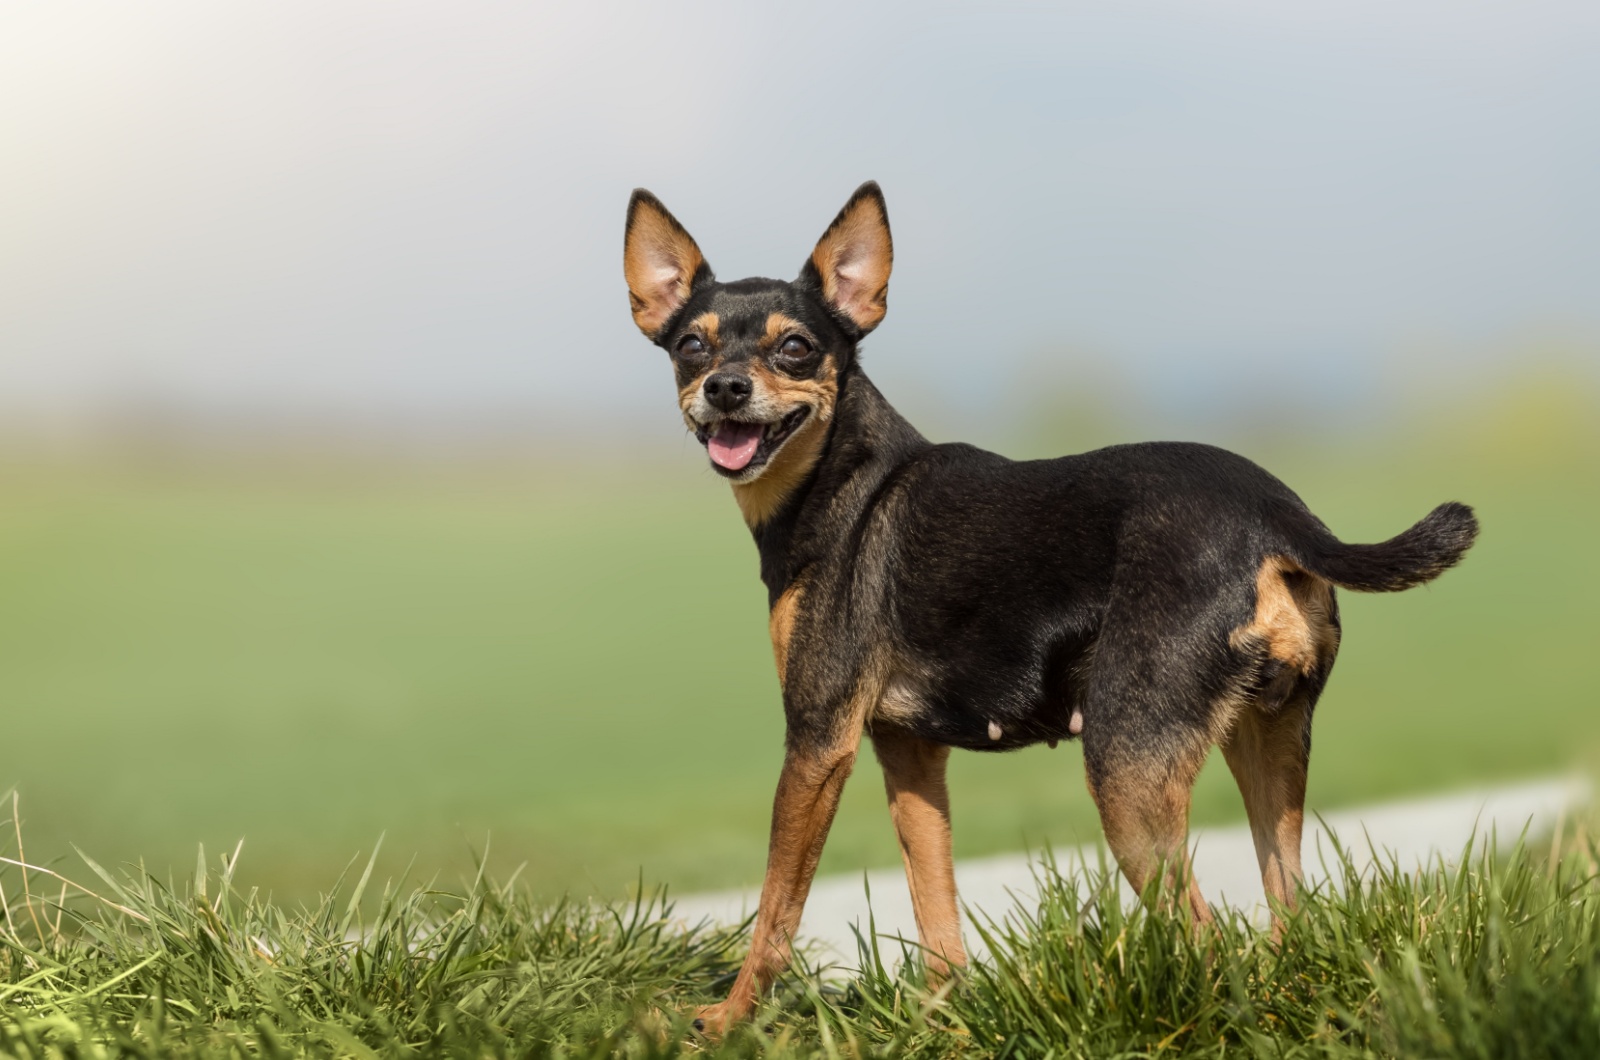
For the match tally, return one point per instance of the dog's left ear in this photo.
(850, 267)
(661, 262)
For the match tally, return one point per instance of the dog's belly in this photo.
(988, 704)
(1001, 727)
(997, 729)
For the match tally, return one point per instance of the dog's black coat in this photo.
(1005, 578)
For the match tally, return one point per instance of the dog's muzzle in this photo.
(737, 446)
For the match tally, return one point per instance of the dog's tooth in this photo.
(994, 730)
(1075, 726)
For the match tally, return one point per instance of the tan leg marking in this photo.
(1266, 744)
(1267, 754)
(1144, 810)
(919, 804)
(802, 811)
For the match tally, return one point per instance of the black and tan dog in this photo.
(1151, 599)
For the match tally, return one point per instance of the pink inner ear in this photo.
(660, 262)
(666, 277)
(850, 276)
(856, 280)
(665, 285)
(853, 259)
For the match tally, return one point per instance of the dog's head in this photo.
(759, 361)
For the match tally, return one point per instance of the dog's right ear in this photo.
(850, 267)
(661, 262)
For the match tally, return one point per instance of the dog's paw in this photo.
(712, 1021)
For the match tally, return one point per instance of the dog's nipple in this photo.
(994, 730)
(1052, 744)
(1075, 725)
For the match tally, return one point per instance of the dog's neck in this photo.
(864, 443)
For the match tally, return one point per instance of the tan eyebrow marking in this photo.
(779, 326)
(706, 324)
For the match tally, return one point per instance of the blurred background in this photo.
(340, 499)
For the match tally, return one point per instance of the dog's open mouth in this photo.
(736, 447)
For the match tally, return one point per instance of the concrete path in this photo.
(1225, 864)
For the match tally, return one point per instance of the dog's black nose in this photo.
(727, 390)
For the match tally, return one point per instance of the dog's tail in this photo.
(1410, 558)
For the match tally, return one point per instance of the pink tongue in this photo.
(734, 445)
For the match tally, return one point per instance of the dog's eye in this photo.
(795, 347)
(691, 346)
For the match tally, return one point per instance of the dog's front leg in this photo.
(808, 795)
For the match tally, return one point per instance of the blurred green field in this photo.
(574, 667)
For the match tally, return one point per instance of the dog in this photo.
(1152, 600)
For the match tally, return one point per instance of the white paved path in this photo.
(1225, 863)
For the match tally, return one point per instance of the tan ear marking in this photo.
(660, 260)
(854, 257)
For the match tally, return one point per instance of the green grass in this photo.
(1494, 958)
(576, 666)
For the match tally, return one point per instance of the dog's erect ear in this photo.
(660, 261)
(852, 261)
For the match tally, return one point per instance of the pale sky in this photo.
(392, 210)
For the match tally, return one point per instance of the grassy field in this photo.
(576, 666)
(1497, 958)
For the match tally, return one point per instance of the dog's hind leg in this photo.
(1268, 752)
(919, 804)
(1143, 800)
(1151, 712)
